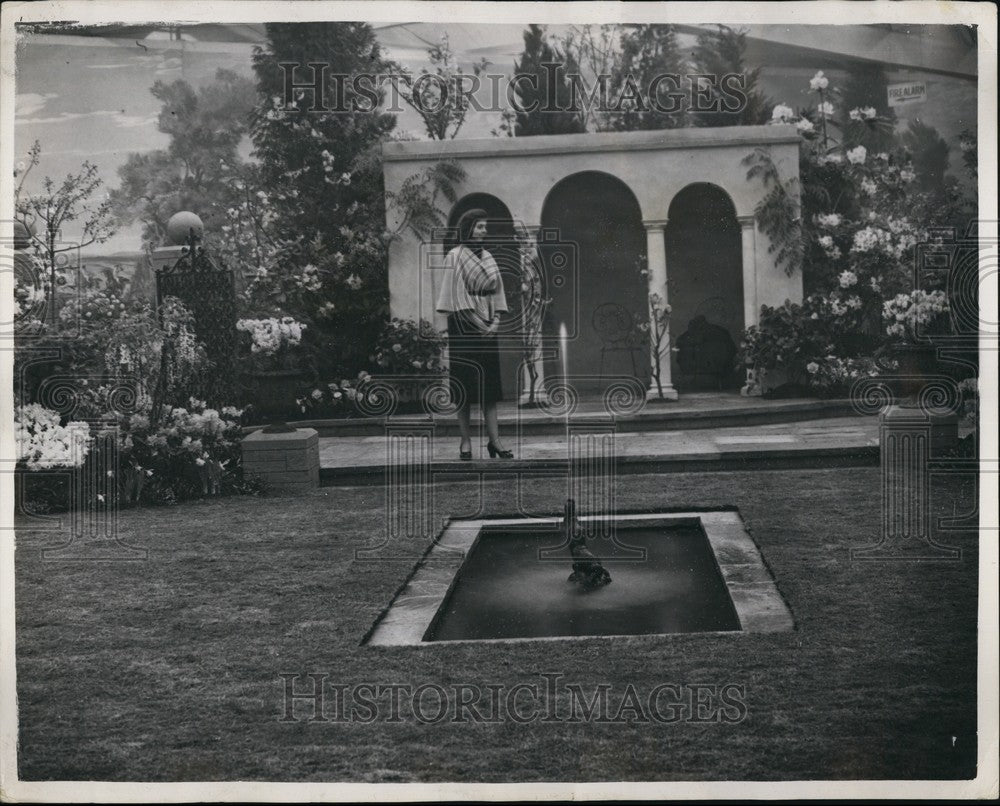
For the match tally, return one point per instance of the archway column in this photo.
(748, 237)
(751, 310)
(659, 353)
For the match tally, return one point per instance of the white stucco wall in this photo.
(655, 165)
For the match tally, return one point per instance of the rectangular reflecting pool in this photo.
(507, 579)
(505, 590)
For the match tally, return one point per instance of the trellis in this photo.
(208, 291)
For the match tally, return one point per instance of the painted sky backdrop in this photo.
(88, 98)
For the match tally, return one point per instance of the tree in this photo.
(867, 85)
(594, 51)
(647, 53)
(46, 214)
(544, 105)
(929, 152)
(720, 53)
(196, 171)
(320, 178)
(438, 97)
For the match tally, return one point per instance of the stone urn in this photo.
(916, 362)
(273, 392)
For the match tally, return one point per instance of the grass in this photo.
(168, 669)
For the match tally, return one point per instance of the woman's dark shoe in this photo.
(465, 456)
(495, 452)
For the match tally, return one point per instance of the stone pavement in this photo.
(821, 442)
(693, 410)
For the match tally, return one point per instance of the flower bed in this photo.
(856, 228)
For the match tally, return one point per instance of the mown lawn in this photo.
(168, 669)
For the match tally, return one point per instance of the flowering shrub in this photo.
(189, 452)
(406, 348)
(790, 337)
(124, 372)
(335, 399)
(834, 376)
(969, 390)
(853, 226)
(114, 338)
(43, 443)
(185, 453)
(919, 313)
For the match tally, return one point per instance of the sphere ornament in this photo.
(22, 234)
(180, 225)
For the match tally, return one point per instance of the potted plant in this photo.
(276, 367)
(913, 321)
(408, 357)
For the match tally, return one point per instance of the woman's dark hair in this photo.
(467, 223)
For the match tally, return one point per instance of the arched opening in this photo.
(704, 279)
(599, 292)
(501, 243)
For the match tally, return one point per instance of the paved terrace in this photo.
(699, 432)
(841, 441)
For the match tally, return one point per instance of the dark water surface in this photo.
(504, 591)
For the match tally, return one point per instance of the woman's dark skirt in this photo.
(473, 363)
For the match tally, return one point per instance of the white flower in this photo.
(869, 187)
(353, 282)
(854, 114)
(907, 175)
(43, 443)
(828, 220)
(199, 461)
(819, 82)
(804, 125)
(825, 108)
(870, 238)
(270, 335)
(781, 113)
(812, 367)
(857, 155)
(873, 282)
(826, 241)
(869, 113)
(847, 279)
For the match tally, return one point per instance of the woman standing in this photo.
(472, 296)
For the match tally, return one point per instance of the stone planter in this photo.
(916, 363)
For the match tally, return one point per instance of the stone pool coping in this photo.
(759, 605)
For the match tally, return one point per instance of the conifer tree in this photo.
(544, 104)
(721, 53)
